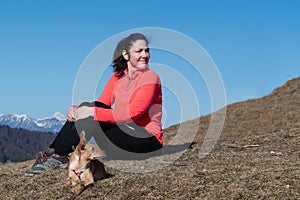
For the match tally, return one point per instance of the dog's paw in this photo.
(77, 189)
(68, 181)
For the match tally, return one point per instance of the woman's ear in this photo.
(125, 55)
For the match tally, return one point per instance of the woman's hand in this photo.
(71, 114)
(84, 112)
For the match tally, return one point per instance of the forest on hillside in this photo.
(19, 144)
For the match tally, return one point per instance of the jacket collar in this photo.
(136, 73)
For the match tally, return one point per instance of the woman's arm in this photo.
(106, 98)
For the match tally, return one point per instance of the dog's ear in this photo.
(82, 142)
(82, 136)
(80, 145)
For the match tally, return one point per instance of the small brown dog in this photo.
(85, 166)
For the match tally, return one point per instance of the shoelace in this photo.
(41, 157)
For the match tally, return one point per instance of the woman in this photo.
(132, 126)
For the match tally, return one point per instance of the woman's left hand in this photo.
(84, 112)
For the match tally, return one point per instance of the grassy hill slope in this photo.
(256, 157)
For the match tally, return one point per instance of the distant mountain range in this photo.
(49, 124)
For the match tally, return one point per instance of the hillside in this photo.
(256, 157)
(18, 144)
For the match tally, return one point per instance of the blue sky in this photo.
(255, 45)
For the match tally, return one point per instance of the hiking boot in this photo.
(47, 161)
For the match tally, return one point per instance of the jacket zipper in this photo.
(129, 81)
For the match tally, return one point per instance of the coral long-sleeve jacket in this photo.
(136, 100)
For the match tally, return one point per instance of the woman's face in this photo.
(139, 55)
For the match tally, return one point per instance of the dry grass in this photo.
(256, 157)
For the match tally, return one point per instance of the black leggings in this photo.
(118, 141)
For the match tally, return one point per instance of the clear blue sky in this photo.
(255, 44)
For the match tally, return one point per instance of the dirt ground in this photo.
(256, 157)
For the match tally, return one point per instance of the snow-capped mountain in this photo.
(48, 124)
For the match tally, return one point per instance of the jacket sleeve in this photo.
(106, 96)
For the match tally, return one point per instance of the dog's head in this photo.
(88, 151)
